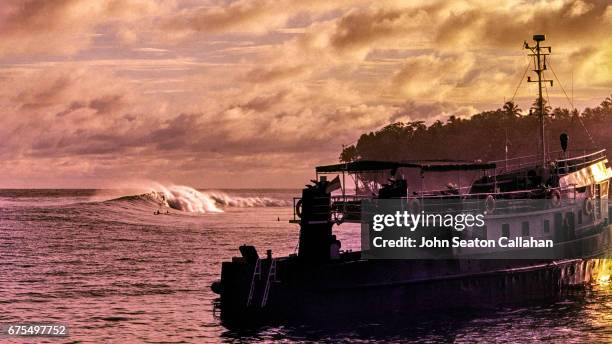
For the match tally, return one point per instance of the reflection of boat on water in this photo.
(569, 194)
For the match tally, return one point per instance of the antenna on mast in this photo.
(539, 62)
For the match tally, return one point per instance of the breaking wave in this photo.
(188, 199)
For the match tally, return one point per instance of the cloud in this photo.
(369, 28)
(266, 102)
(49, 94)
(566, 22)
(431, 112)
(239, 15)
(432, 76)
(277, 72)
(100, 89)
(151, 50)
(76, 105)
(61, 26)
(83, 113)
(243, 16)
(102, 105)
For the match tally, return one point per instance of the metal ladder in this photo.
(597, 203)
(256, 273)
(271, 278)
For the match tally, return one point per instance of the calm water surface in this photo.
(116, 273)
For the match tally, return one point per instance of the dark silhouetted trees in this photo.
(485, 135)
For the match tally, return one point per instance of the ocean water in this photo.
(101, 262)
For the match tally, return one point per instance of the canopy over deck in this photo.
(376, 165)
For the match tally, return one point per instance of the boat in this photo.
(568, 195)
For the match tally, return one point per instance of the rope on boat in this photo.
(521, 81)
(572, 104)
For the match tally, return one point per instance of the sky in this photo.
(241, 94)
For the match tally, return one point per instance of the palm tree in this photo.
(511, 109)
(349, 154)
(546, 108)
(607, 103)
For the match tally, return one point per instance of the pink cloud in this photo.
(95, 91)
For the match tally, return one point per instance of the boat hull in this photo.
(363, 289)
(291, 287)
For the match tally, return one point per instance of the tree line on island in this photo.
(484, 136)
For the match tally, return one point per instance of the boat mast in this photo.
(539, 61)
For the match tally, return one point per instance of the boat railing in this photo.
(515, 163)
(573, 164)
(564, 163)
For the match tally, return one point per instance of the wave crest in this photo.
(188, 199)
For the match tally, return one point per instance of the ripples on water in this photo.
(116, 273)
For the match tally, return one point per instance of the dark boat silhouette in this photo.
(570, 189)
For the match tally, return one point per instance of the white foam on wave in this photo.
(188, 199)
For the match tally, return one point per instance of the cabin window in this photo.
(571, 225)
(546, 226)
(604, 189)
(525, 228)
(506, 230)
(559, 234)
